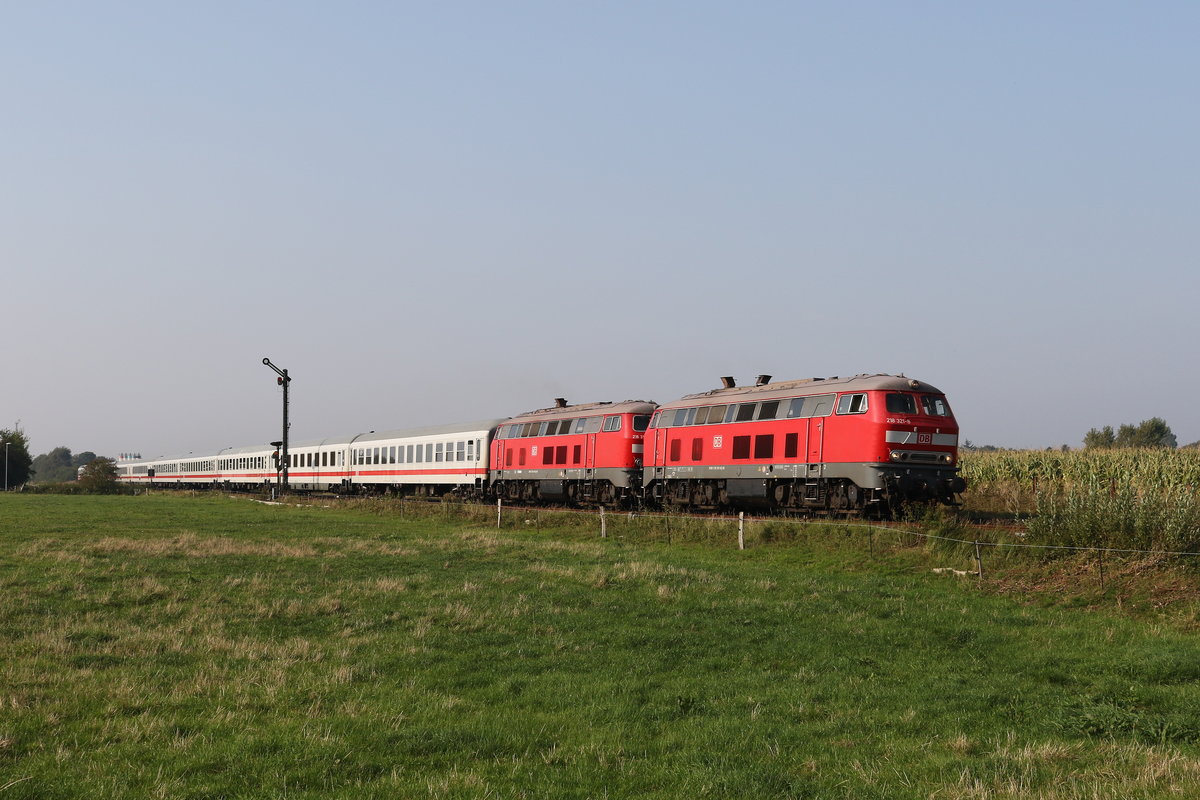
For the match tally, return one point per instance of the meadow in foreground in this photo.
(167, 646)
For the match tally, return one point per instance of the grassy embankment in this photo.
(173, 647)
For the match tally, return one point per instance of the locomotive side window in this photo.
(575, 456)
(935, 406)
(612, 423)
(676, 445)
(768, 410)
(745, 412)
(698, 448)
(852, 404)
(641, 422)
(822, 405)
(593, 425)
(579, 423)
(901, 404)
(764, 446)
(791, 445)
(741, 447)
(702, 415)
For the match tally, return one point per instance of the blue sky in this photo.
(434, 212)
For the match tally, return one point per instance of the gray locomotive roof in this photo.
(588, 409)
(781, 389)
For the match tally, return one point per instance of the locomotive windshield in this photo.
(901, 404)
(935, 405)
(932, 405)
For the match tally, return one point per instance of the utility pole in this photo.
(282, 468)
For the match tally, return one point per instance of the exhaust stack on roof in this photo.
(728, 382)
(762, 380)
(560, 402)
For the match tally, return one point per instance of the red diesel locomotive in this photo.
(572, 454)
(869, 443)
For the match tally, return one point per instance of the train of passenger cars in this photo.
(861, 444)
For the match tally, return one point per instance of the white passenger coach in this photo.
(421, 461)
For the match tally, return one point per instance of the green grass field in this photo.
(176, 647)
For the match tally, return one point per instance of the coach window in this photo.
(437, 452)
(745, 412)
(461, 449)
(852, 404)
(428, 453)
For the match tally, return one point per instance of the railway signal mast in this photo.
(281, 466)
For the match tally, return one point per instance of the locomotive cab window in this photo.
(935, 406)
(901, 403)
(641, 422)
(852, 404)
(612, 423)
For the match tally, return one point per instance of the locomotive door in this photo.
(589, 452)
(816, 440)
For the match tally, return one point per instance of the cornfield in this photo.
(1146, 499)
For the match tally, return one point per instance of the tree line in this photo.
(57, 466)
(1153, 432)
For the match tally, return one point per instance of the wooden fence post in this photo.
(603, 524)
(741, 530)
(499, 501)
(979, 559)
